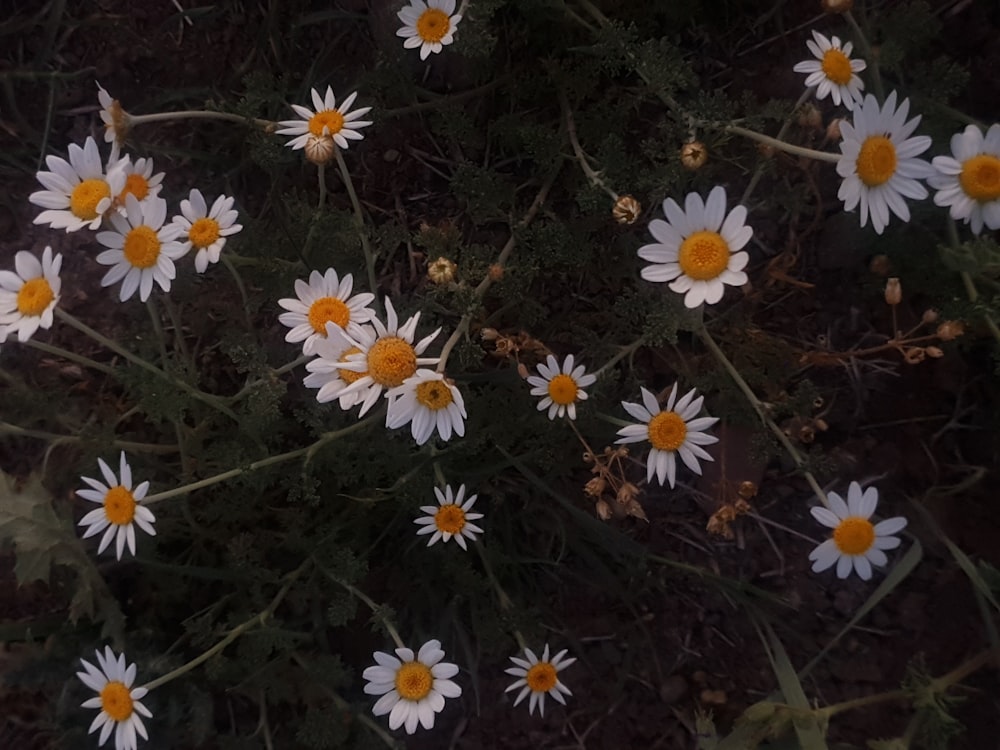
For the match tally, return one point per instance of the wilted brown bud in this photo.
(833, 130)
(441, 271)
(806, 434)
(837, 6)
(694, 155)
(626, 209)
(810, 117)
(820, 424)
(603, 510)
(595, 487)
(893, 292)
(319, 149)
(935, 352)
(489, 334)
(496, 272)
(880, 265)
(950, 330)
(522, 371)
(626, 493)
(766, 150)
(634, 508)
(818, 402)
(747, 490)
(929, 316)
(914, 355)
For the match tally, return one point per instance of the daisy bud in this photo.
(747, 490)
(929, 316)
(934, 352)
(837, 6)
(496, 272)
(441, 271)
(603, 510)
(810, 117)
(489, 334)
(950, 330)
(522, 371)
(626, 209)
(893, 292)
(833, 129)
(694, 155)
(766, 150)
(880, 265)
(319, 149)
(914, 355)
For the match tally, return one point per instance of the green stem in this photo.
(228, 263)
(759, 171)
(375, 608)
(970, 284)
(268, 126)
(321, 178)
(287, 367)
(870, 57)
(359, 220)
(625, 351)
(789, 148)
(6, 428)
(65, 354)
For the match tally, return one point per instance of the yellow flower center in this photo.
(980, 177)
(836, 66)
(449, 519)
(116, 701)
(876, 160)
(349, 376)
(391, 361)
(703, 255)
(562, 389)
(327, 122)
(142, 247)
(434, 394)
(119, 506)
(34, 296)
(136, 185)
(667, 431)
(541, 678)
(85, 197)
(414, 681)
(203, 232)
(854, 535)
(328, 310)
(433, 25)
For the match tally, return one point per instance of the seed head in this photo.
(950, 330)
(929, 316)
(893, 292)
(441, 271)
(626, 209)
(694, 155)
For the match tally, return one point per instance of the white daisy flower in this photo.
(697, 247)
(450, 518)
(968, 181)
(141, 249)
(856, 543)
(413, 689)
(204, 230)
(120, 510)
(29, 296)
(120, 703)
(388, 359)
(675, 430)
(833, 72)
(539, 677)
(560, 389)
(139, 181)
(115, 119)
(429, 25)
(325, 298)
(878, 161)
(77, 192)
(426, 401)
(337, 122)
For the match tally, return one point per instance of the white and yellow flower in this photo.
(560, 389)
(856, 543)
(205, 230)
(429, 25)
(539, 677)
(339, 123)
(674, 431)
(968, 181)
(324, 369)
(413, 688)
(325, 298)
(115, 119)
(878, 161)
(697, 247)
(120, 703)
(141, 249)
(28, 295)
(450, 518)
(139, 181)
(833, 72)
(426, 401)
(121, 508)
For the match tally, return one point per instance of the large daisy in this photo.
(833, 72)
(205, 230)
(539, 677)
(325, 298)
(878, 161)
(120, 703)
(339, 123)
(697, 247)
(968, 181)
(426, 401)
(676, 430)
(856, 543)
(121, 509)
(429, 25)
(413, 688)
(29, 296)
(560, 389)
(450, 518)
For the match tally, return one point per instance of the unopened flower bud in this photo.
(914, 355)
(833, 130)
(880, 265)
(837, 6)
(950, 330)
(766, 150)
(489, 334)
(934, 352)
(929, 316)
(626, 209)
(319, 149)
(747, 489)
(496, 272)
(810, 117)
(441, 271)
(893, 292)
(522, 370)
(694, 155)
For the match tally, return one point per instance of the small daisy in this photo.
(77, 192)
(328, 119)
(139, 181)
(426, 401)
(429, 25)
(206, 230)
(120, 703)
(697, 247)
(141, 249)
(120, 508)
(674, 430)
(324, 369)
(539, 677)
(833, 72)
(28, 297)
(560, 389)
(968, 181)
(115, 119)
(878, 161)
(325, 298)
(450, 518)
(413, 689)
(856, 542)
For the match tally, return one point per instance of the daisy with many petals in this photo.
(878, 161)
(968, 181)
(120, 703)
(139, 181)
(29, 296)
(426, 401)
(205, 230)
(78, 193)
(674, 431)
(413, 688)
(429, 25)
(560, 389)
(697, 247)
(324, 369)
(141, 249)
(325, 298)
(339, 123)
(856, 543)
(450, 518)
(833, 72)
(120, 510)
(539, 677)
